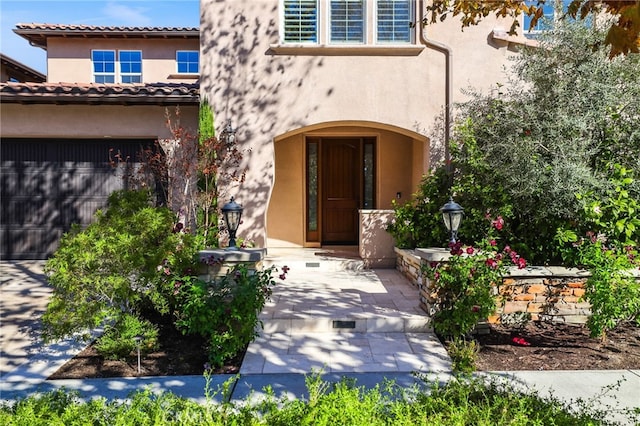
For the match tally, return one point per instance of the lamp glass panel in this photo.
(233, 220)
(456, 218)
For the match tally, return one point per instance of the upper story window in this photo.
(393, 19)
(130, 66)
(300, 21)
(347, 22)
(104, 66)
(188, 61)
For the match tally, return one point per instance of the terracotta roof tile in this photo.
(101, 28)
(115, 94)
(37, 33)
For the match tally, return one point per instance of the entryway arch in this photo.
(325, 173)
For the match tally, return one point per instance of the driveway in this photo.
(24, 294)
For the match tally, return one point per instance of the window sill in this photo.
(352, 50)
(184, 76)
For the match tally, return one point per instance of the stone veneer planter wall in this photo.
(217, 262)
(553, 294)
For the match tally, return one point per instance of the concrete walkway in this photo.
(328, 314)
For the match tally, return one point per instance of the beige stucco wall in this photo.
(83, 121)
(69, 59)
(269, 95)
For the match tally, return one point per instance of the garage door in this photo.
(48, 184)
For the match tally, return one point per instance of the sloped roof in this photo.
(37, 34)
(100, 94)
(22, 68)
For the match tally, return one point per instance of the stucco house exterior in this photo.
(337, 101)
(107, 90)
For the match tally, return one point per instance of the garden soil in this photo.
(537, 346)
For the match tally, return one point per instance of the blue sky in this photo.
(165, 13)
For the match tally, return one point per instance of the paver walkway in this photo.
(330, 314)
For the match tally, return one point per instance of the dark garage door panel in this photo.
(48, 184)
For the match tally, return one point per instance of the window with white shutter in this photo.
(393, 19)
(338, 25)
(300, 21)
(347, 21)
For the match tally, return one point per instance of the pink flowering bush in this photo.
(463, 286)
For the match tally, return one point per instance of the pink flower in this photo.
(498, 223)
(493, 243)
(521, 263)
(491, 263)
(507, 249)
(470, 250)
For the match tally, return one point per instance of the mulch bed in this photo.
(548, 346)
(545, 347)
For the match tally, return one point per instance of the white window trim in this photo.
(115, 66)
(117, 74)
(177, 63)
(323, 45)
(128, 74)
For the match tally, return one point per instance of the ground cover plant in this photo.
(457, 402)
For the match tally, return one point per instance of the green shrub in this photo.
(119, 339)
(118, 265)
(463, 355)
(226, 310)
(522, 152)
(462, 287)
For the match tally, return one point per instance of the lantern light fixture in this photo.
(452, 213)
(232, 213)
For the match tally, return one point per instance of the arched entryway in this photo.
(326, 174)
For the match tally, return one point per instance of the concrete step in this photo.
(349, 324)
(318, 264)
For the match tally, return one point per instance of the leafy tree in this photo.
(623, 35)
(566, 116)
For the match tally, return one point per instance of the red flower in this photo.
(521, 263)
(475, 308)
(493, 243)
(470, 250)
(491, 263)
(520, 341)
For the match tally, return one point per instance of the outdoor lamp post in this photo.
(232, 212)
(452, 215)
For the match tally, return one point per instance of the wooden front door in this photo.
(340, 195)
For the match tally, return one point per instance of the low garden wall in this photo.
(553, 294)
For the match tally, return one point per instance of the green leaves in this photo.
(114, 266)
(224, 311)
